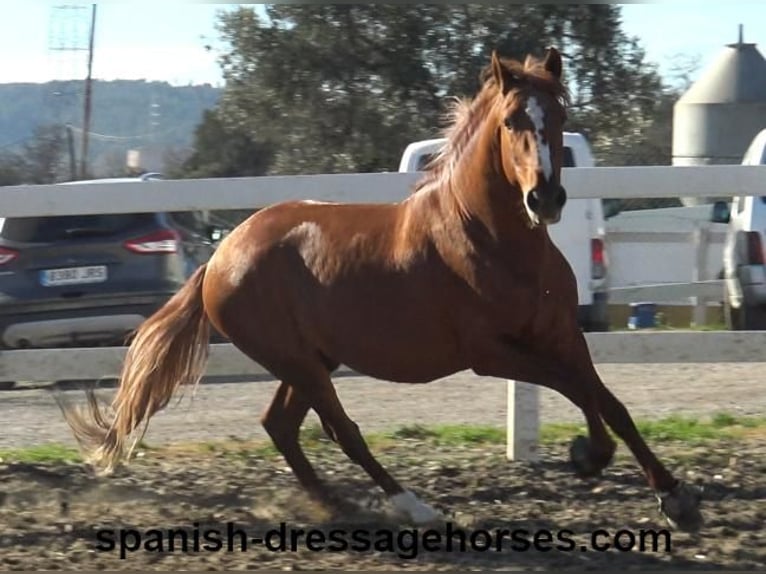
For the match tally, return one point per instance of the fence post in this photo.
(523, 426)
(701, 238)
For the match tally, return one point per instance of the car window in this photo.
(42, 229)
(189, 220)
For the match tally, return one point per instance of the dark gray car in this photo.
(89, 280)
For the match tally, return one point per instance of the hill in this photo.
(154, 117)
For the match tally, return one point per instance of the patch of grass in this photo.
(695, 430)
(680, 428)
(451, 434)
(41, 454)
(312, 435)
(414, 432)
(723, 420)
(557, 432)
(669, 429)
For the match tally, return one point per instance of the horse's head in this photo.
(530, 115)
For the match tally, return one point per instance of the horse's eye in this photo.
(509, 123)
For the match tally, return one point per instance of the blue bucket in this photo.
(642, 316)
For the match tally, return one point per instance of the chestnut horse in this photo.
(462, 274)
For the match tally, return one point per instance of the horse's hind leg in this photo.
(592, 454)
(345, 432)
(589, 455)
(282, 421)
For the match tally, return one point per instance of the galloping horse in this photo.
(460, 275)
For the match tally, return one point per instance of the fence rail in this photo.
(250, 192)
(666, 253)
(45, 365)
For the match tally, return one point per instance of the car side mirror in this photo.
(721, 212)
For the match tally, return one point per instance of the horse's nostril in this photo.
(561, 197)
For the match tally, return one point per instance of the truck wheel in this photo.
(753, 318)
(598, 326)
(731, 316)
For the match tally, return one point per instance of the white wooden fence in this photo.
(239, 193)
(670, 255)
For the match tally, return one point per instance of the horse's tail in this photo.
(169, 349)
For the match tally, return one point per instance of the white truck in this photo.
(579, 234)
(744, 258)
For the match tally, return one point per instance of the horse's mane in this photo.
(466, 115)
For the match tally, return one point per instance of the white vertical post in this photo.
(523, 421)
(701, 238)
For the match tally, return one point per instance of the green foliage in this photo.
(675, 427)
(11, 169)
(451, 434)
(44, 155)
(42, 159)
(221, 151)
(344, 88)
(43, 453)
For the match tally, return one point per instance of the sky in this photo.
(166, 41)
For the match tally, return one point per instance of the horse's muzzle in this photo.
(547, 203)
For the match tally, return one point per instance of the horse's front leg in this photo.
(572, 374)
(678, 502)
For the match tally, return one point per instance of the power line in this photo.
(108, 137)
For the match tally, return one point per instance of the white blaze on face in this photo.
(536, 114)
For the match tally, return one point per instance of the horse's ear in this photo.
(498, 73)
(553, 62)
(504, 77)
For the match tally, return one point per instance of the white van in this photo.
(579, 235)
(744, 271)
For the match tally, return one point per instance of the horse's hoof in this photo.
(411, 508)
(680, 507)
(581, 458)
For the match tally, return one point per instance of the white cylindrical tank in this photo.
(716, 119)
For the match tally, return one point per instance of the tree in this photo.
(343, 88)
(221, 151)
(44, 155)
(11, 169)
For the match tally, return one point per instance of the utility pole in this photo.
(88, 90)
(72, 158)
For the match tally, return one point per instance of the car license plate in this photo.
(73, 275)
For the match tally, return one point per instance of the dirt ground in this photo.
(60, 516)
